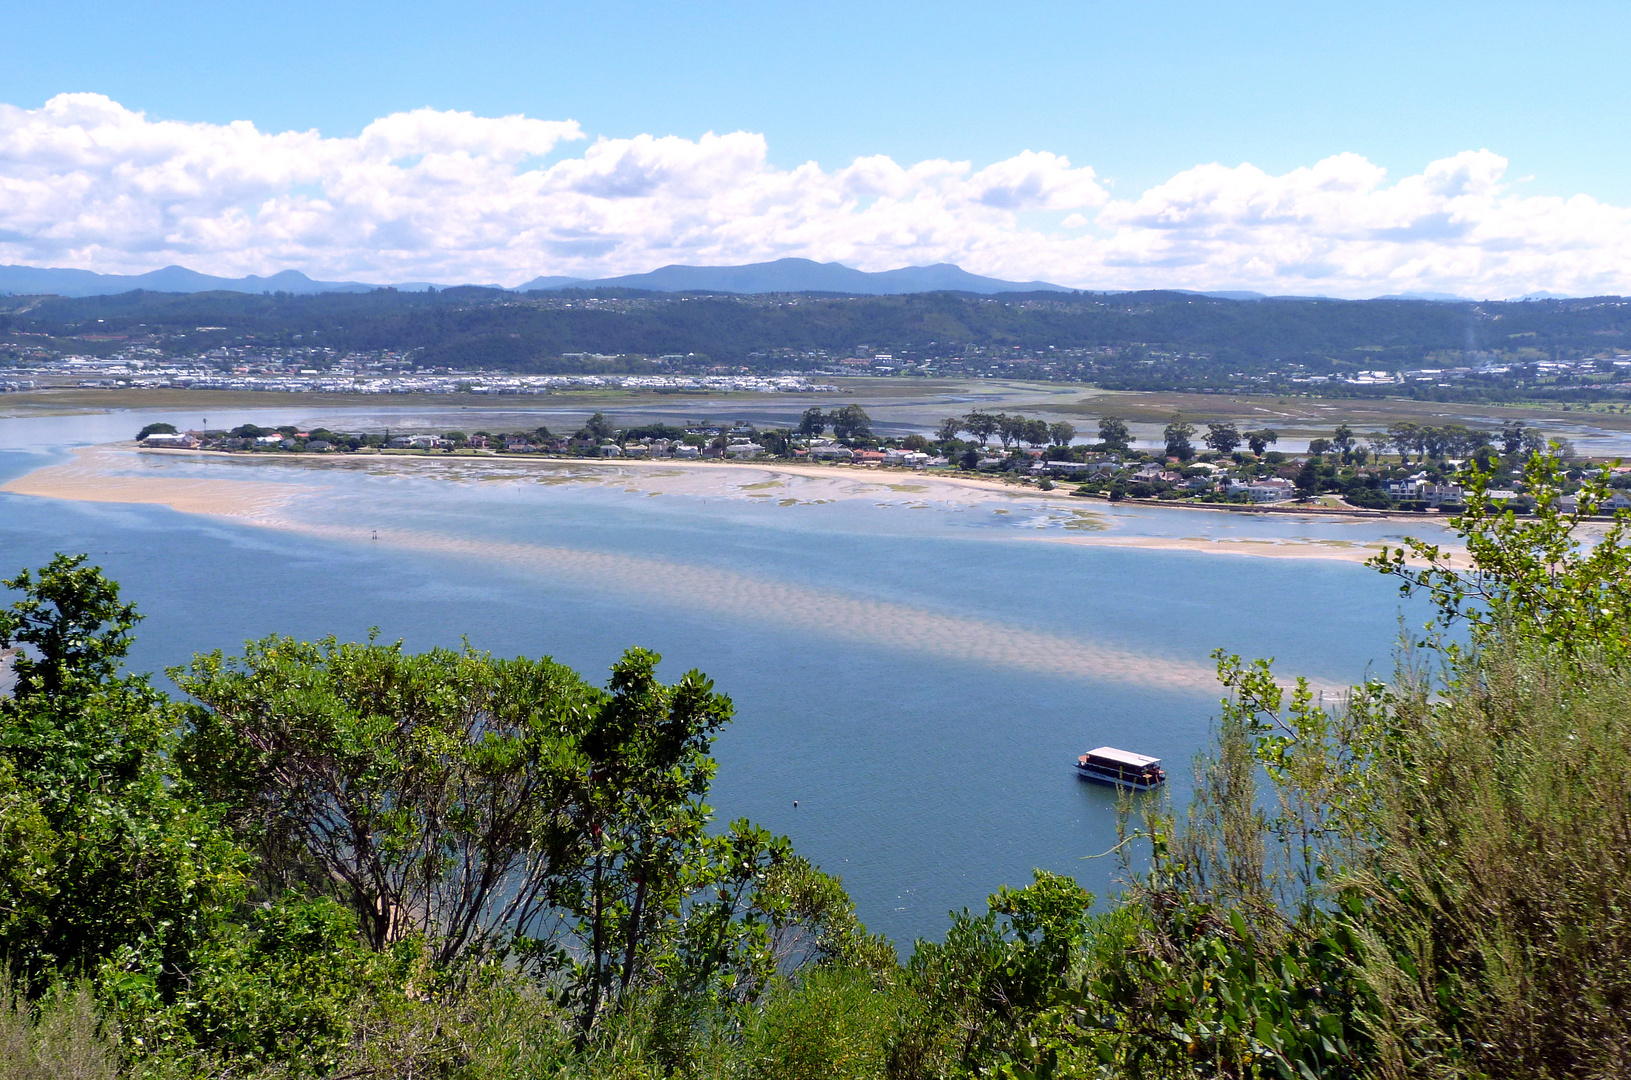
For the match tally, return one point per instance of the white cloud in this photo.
(451, 196)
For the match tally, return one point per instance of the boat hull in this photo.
(1114, 780)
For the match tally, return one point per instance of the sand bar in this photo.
(114, 474)
(95, 476)
(117, 473)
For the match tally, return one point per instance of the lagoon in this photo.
(916, 666)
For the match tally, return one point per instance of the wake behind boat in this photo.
(1121, 768)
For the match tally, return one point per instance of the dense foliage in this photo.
(347, 860)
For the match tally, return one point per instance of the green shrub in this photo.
(832, 1024)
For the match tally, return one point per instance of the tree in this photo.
(1512, 435)
(1533, 575)
(1261, 439)
(428, 793)
(981, 425)
(1010, 429)
(638, 790)
(72, 619)
(1222, 437)
(775, 440)
(1405, 437)
(598, 428)
(1113, 433)
(156, 429)
(1308, 479)
(102, 860)
(1176, 434)
(1062, 432)
(948, 429)
(813, 422)
(915, 443)
(1343, 439)
(1036, 432)
(851, 422)
(1319, 446)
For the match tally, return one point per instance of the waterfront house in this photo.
(1273, 489)
(1420, 489)
(1617, 500)
(178, 441)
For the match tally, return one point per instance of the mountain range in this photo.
(780, 276)
(783, 275)
(801, 275)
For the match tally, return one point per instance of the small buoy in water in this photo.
(795, 803)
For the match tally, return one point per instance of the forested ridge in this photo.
(341, 859)
(475, 327)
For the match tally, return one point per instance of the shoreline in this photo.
(837, 472)
(101, 474)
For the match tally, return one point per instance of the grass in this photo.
(60, 1038)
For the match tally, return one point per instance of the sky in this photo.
(1339, 149)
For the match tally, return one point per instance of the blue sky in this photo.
(1137, 92)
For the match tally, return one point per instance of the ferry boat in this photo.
(1107, 765)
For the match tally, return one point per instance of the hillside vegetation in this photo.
(341, 859)
(473, 327)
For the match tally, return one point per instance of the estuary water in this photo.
(915, 667)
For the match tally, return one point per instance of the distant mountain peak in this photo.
(792, 274)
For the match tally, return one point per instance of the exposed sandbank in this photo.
(1263, 547)
(94, 476)
(826, 613)
(105, 474)
(116, 474)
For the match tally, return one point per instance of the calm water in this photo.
(917, 679)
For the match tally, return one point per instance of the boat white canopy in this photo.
(1123, 757)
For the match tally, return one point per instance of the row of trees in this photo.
(1221, 436)
(1459, 441)
(1010, 429)
(1515, 440)
(847, 423)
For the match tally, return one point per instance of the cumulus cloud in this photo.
(451, 196)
